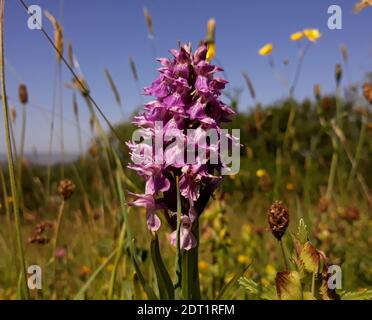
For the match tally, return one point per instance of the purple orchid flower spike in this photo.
(187, 96)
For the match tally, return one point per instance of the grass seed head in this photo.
(58, 34)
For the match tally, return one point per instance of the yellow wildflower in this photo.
(266, 49)
(312, 34)
(260, 173)
(297, 36)
(110, 267)
(203, 265)
(102, 259)
(247, 229)
(290, 186)
(211, 53)
(270, 271)
(265, 282)
(84, 270)
(243, 259)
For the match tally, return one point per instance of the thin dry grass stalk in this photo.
(113, 87)
(250, 86)
(133, 69)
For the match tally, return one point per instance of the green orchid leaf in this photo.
(165, 285)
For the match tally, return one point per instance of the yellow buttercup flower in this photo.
(266, 49)
(84, 270)
(290, 186)
(211, 53)
(110, 267)
(297, 36)
(270, 271)
(203, 265)
(312, 34)
(260, 173)
(243, 259)
(232, 176)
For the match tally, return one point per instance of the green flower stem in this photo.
(58, 228)
(358, 152)
(178, 284)
(283, 253)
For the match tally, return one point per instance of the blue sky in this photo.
(106, 33)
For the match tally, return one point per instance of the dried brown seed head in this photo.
(351, 214)
(150, 26)
(66, 188)
(338, 73)
(278, 218)
(94, 150)
(367, 91)
(323, 204)
(22, 93)
(317, 92)
(265, 183)
(344, 53)
(38, 239)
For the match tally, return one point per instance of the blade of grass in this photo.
(80, 294)
(10, 159)
(226, 289)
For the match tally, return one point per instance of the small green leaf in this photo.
(81, 294)
(256, 290)
(302, 233)
(165, 285)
